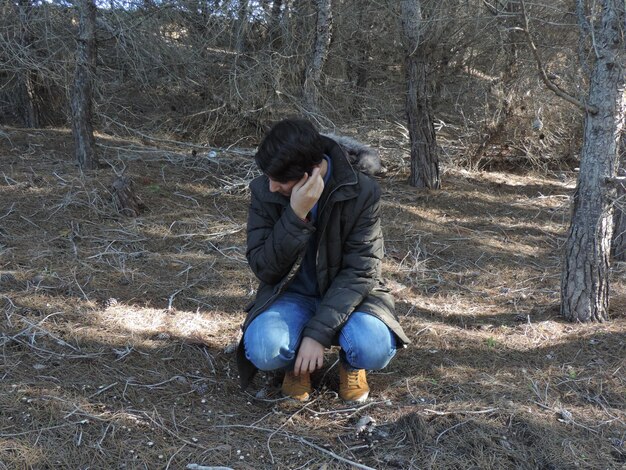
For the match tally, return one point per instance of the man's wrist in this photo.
(299, 214)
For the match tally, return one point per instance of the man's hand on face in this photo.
(307, 192)
(310, 356)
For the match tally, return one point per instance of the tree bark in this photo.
(512, 37)
(28, 78)
(424, 155)
(82, 105)
(313, 72)
(242, 26)
(619, 220)
(585, 276)
(126, 201)
(356, 63)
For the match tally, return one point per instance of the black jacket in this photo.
(349, 254)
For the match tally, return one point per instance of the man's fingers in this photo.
(302, 182)
(296, 369)
(310, 365)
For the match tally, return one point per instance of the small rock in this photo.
(564, 415)
(366, 423)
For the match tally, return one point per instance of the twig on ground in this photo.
(450, 429)
(333, 455)
(461, 412)
(352, 411)
(169, 462)
(269, 438)
(9, 212)
(151, 386)
(103, 390)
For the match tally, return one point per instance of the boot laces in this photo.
(353, 378)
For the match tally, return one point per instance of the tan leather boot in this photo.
(353, 384)
(298, 388)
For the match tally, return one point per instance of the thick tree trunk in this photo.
(585, 276)
(619, 220)
(424, 156)
(313, 73)
(82, 106)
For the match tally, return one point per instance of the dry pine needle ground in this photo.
(116, 333)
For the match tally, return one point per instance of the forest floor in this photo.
(117, 333)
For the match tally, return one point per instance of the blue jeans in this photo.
(272, 339)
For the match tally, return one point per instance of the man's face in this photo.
(282, 188)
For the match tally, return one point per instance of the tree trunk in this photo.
(619, 220)
(505, 89)
(242, 26)
(356, 63)
(274, 36)
(28, 78)
(82, 106)
(313, 72)
(585, 276)
(424, 156)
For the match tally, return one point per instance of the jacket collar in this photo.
(342, 184)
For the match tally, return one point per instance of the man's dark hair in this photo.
(291, 148)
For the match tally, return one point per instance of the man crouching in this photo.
(315, 244)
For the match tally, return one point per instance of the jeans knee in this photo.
(368, 357)
(367, 342)
(268, 352)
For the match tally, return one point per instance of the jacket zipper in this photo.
(323, 229)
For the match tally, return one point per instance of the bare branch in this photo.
(542, 73)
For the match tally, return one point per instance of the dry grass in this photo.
(117, 333)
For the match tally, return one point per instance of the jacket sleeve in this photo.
(359, 274)
(274, 245)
